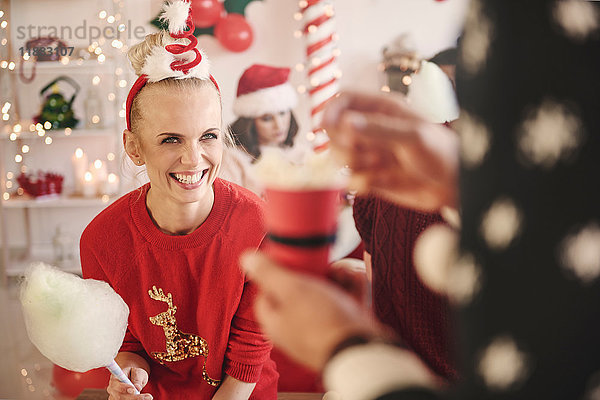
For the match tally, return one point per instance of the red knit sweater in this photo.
(190, 304)
(419, 316)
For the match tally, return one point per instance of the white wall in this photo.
(364, 27)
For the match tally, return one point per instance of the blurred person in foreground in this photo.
(525, 283)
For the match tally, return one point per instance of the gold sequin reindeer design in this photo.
(179, 345)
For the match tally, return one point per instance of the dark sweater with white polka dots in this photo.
(529, 83)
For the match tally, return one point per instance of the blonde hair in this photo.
(138, 53)
(137, 57)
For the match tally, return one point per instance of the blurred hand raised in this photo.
(393, 151)
(306, 317)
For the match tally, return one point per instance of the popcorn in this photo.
(318, 171)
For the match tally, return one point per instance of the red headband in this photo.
(177, 65)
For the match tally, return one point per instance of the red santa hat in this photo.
(264, 90)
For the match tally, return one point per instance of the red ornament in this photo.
(71, 383)
(234, 32)
(42, 184)
(206, 13)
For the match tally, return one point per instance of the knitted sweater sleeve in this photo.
(91, 267)
(363, 212)
(248, 349)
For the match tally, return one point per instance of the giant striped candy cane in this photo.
(318, 28)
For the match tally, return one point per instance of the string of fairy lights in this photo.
(99, 52)
(22, 133)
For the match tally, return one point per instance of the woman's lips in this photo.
(190, 181)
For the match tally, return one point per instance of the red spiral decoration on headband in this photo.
(178, 48)
(177, 65)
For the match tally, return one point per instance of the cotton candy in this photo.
(79, 324)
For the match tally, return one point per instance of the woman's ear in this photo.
(132, 147)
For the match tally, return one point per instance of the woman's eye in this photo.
(209, 136)
(170, 139)
(266, 118)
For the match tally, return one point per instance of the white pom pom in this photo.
(434, 254)
(175, 13)
(158, 65)
(431, 93)
(78, 324)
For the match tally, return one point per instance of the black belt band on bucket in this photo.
(307, 241)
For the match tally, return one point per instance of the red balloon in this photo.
(206, 13)
(72, 383)
(234, 32)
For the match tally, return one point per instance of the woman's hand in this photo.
(306, 317)
(393, 151)
(350, 274)
(136, 368)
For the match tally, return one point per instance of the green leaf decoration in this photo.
(197, 32)
(237, 6)
(204, 31)
(158, 23)
(231, 6)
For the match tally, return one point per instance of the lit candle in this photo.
(111, 186)
(98, 169)
(88, 187)
(80, 164)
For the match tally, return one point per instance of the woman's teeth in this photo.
(185, 178)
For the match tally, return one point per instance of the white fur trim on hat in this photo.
(431, 94)
(158, 65)
(175, 13)
(266, 101)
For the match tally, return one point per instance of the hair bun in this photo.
(138, 53)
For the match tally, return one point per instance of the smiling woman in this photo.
(172, 246)
(176, 134)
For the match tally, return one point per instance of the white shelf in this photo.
(61, 134)
(17, 267)
(59, 202)
(74, 66)
(39, 215)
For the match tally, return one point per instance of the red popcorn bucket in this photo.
(301, 227)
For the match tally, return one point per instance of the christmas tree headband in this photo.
(174, 60)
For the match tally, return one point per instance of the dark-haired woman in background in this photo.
(263, 105)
